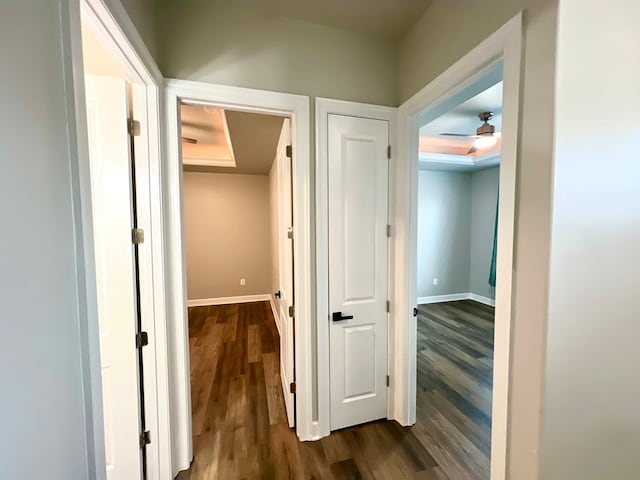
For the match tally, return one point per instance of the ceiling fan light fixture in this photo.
(485, 141)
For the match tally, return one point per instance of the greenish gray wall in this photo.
(227, 232)
(144, 15)
(224, 42)
(45, 407)
(444, 229)
(484, 195)
(590, 422)
(445, 33)
(456, 221)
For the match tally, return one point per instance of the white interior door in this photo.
(358, 214)
(109, 152)
(285, 267)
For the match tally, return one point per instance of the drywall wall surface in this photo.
(225, 42)
(144, 15)
(45, 420)
(227, 230)
(591, 425)
(445, 33)
(273, 225)
(484, 197)
(444, 227)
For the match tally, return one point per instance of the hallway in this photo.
(239, 422)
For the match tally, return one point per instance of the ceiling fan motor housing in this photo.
(486, 128)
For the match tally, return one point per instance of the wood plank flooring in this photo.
(240, 425)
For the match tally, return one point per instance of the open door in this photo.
(110, 161)
(285, 269)
(358, 173)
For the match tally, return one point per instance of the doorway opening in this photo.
(238, 236)
(123, 185)
(498, 58)
(458, 182)
(238, 166)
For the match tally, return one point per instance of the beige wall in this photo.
(222, 42)
(227, 234)
(444, 34)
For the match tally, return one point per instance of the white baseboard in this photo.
(274, 310)
(203, 302)
(443, 298)
(455, 297)
(480, 299)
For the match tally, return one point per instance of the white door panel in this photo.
(285, 255)
(109, 153)
(358, 270)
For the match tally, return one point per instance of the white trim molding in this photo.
(480, 299)
(110, 22)
(497, 56)
(204, 302)
(325, 107)
(454, 297)
(274, 311)
(466, 160)
(295, 107)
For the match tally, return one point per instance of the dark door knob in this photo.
(337, 317)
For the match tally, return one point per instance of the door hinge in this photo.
(389, 152)
(289, 151)
(388, 380)
(133, 127)
(142, 339)
(290, 233)
(388, 306)
(145, 438)
(415, 311)
(292, 311)
(137, 236)
(292, 387)
(389, 231)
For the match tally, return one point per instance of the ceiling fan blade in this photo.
(189, 140)
(456, 135)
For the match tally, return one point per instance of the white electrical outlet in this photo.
(435, 281)
(243, 282)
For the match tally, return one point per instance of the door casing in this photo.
(296, 107)
(325, 107)
(504, 49)
(110, 22)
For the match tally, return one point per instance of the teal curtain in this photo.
(494, 255)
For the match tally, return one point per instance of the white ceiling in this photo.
(388, 18)
(464, 118)
(439, 152)
(254, 138)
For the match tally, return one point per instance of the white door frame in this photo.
(110, 22)
(504, 47)
(257, 101)
(324, 107)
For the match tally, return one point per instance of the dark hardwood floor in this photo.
(455, 369)
(239, 422)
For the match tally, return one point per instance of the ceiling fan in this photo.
(485, 136)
